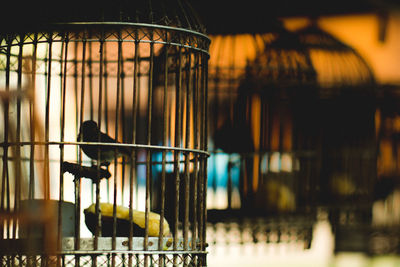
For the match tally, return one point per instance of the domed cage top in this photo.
(338, 65)
(104, 149)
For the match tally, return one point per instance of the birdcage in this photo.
(255, 81)
(104, 164)
(346, 117)
(229, 56)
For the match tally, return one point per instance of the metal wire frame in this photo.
(147, 83)
(104, 259)
(294, 231)
(175, 13)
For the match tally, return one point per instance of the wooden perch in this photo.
(87, 172)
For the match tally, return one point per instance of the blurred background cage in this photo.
(292, 135)
(257, 83)
(345, 115)
(133, 193)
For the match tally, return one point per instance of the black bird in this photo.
(90, 132)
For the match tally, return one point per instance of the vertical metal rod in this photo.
(132, 173)
(91, 97)
(106, 120)
(32, 118)
(17, 195)
(97, 184)
(77, 180)
(137, 112)
(75, 86)
(203, 163)
(205, 88)
(187, 155)
(134, 107)
(148, 152)
(117, 107)
(140, 109)
(164, 153)
(62, 133)
(5, 188)
(48, 238)
(196, 134)
(177, 154)
(90, 75)
(123, 119)
(47, 121)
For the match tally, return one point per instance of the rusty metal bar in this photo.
(115, 150)
(17, 151)
(97, 184)
(5, 188)
(63, 76)
(74, 61)
(123, 127)
(203, 162)
(106, 120)
(90, 76)
(47, 119)
(164, 154)
(133, 159)
(178, 133)
(196, 134)
(187, 173)
(32, 119)
(148, 152)
(132, 174)
(77, 181)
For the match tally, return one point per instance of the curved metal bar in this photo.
(126, 24)
(146, 25)
(137, 146)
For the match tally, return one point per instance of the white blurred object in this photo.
(276, 255)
